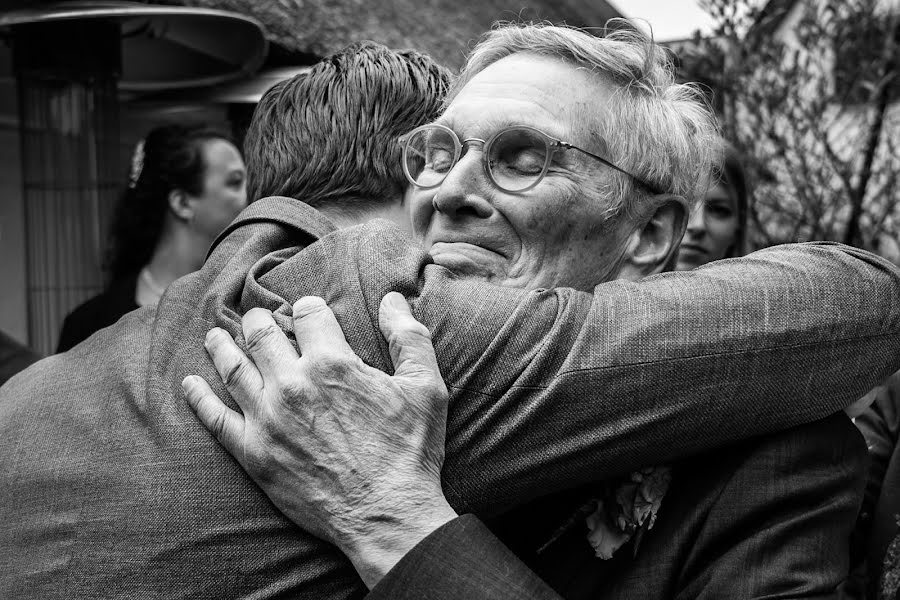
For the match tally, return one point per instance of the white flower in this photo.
(631, 506)
(603, 537)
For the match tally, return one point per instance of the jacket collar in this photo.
(281, 210)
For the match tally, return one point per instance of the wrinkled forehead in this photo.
(546, 92)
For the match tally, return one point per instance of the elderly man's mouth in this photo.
(468, 259)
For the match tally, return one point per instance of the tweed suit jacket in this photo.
(109, 487)
(766, 518)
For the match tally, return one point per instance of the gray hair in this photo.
(663, 131)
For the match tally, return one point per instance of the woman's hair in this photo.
(731, 175)
(169, 158)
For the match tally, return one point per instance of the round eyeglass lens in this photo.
(429, 155)
(517, 159)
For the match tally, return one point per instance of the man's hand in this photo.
(347, 452)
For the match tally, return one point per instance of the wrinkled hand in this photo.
(347, 452)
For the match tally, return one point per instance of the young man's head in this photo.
(328, 137)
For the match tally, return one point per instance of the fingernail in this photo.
(188, 383)
(395, 301)
(212, 334)
(307, 305)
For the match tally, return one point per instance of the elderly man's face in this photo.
(555, 234)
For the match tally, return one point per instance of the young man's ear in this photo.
(180, 205)
(654, 242)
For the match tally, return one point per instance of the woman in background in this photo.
(717, 228)
(187, 183)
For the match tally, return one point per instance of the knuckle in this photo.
(437, 391)
(332, 363)
(217, 421)
(291, 390)
(259, 339)
(235, 373)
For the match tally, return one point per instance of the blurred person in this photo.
(117, 490)
(187, 182)
(717, 227)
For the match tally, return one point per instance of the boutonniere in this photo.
(626, 510)
(622, 510)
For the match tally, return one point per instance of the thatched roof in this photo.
(444, 29)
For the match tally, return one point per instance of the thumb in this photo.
(409, 342)
(225, 424)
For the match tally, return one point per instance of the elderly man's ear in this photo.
(652, 244)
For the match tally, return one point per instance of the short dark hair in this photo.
(170, 157)
(329, 135)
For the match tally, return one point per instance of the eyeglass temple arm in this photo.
(641, 181)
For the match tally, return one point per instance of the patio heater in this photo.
(71, 60)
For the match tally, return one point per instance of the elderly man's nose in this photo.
(464, 191)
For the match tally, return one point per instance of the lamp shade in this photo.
(243, 91)
(162, 47)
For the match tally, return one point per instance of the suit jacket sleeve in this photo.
(779, 526)
(462, 559)
(551, 389)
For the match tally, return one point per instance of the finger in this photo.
(267, 344)
(408, 340)
(238, 372)
(316, 329)
(226, 424)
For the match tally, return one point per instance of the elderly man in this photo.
(114, 489)
(496, 201)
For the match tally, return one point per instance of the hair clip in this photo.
(137, 164)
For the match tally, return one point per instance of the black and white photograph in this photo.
(433, 300)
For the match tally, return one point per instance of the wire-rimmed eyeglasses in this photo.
(515, 159)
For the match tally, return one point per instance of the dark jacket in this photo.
(14, 357)
(98, 312)
(878, 528)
